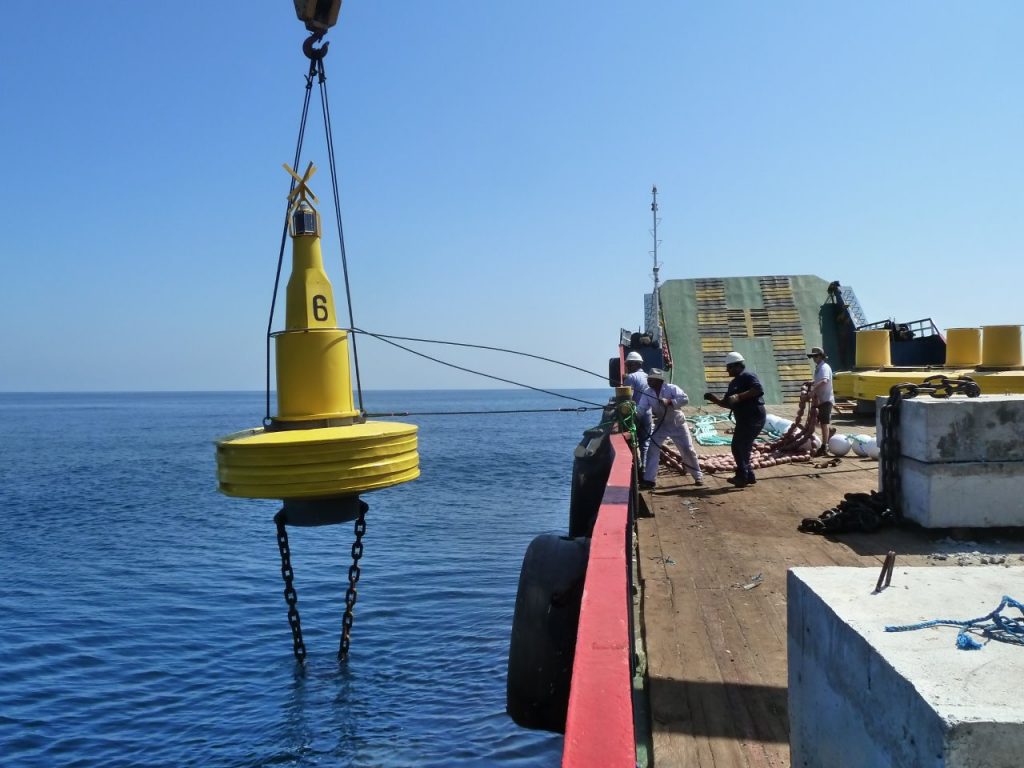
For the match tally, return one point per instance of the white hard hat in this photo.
(634, 357)
(733, 357)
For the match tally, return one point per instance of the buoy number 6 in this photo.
(319, 307)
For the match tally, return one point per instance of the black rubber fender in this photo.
(589, 480)
(544, 626)
(614, 372)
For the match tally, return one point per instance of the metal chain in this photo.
(890, 448)
(290, 595)
(856, 512)
(353, 579)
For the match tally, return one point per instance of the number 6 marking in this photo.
(319, 307)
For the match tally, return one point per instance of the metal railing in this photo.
(915, 329)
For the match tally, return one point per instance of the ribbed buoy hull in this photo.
(317, 463)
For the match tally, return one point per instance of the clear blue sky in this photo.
(495, 163)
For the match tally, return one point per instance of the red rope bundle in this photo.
(795, 445)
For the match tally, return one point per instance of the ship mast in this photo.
(655, 328)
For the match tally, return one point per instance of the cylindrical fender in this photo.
(614, 372)
(589, 478)
(543, 643)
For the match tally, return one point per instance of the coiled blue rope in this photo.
(994, 626)
(705, 431)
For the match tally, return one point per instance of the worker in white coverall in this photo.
(637, 379)
(664, 402)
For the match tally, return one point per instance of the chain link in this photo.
(889, 448)
(290, 595)
(353, 579)
(856, 512)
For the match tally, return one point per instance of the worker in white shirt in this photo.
(637, 379)
(664, 401)
(821, 396)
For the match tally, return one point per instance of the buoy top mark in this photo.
(300, 193)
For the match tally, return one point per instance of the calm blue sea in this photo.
(143, 622)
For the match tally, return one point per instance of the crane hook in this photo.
(315, 54)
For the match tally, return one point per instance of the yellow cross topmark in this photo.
(301, 190)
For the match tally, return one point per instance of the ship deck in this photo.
(712, 563)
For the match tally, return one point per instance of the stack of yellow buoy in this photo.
(990, 355)
(317, 449)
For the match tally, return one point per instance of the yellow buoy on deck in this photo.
(873, 349)
(317, 448)
(963, 347)
(1000, 346)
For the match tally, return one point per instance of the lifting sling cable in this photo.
(284, 232)
(326, 110)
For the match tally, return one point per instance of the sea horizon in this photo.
(527, 390)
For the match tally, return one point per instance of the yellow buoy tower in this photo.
(317, 453)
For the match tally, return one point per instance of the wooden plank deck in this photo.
(716, 652)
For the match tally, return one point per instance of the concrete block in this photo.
(860, 696)
(961, 429)
(974, 495)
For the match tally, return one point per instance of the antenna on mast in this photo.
(654, 323)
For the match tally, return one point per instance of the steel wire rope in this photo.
(482, 346)
(284, 232)
(481, 373)
(578, 409)
(322, 77)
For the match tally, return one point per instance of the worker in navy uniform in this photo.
(664, 402)
(637, 379)
(745, 398)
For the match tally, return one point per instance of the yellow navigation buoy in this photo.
(317, 446)
(318, 453)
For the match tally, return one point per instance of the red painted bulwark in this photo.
(599, 724)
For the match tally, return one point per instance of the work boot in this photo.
(647, 485)
(739, 482)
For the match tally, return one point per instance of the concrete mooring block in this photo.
(971, 495)
(961, 460)
(961, 429)
(862, 697)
